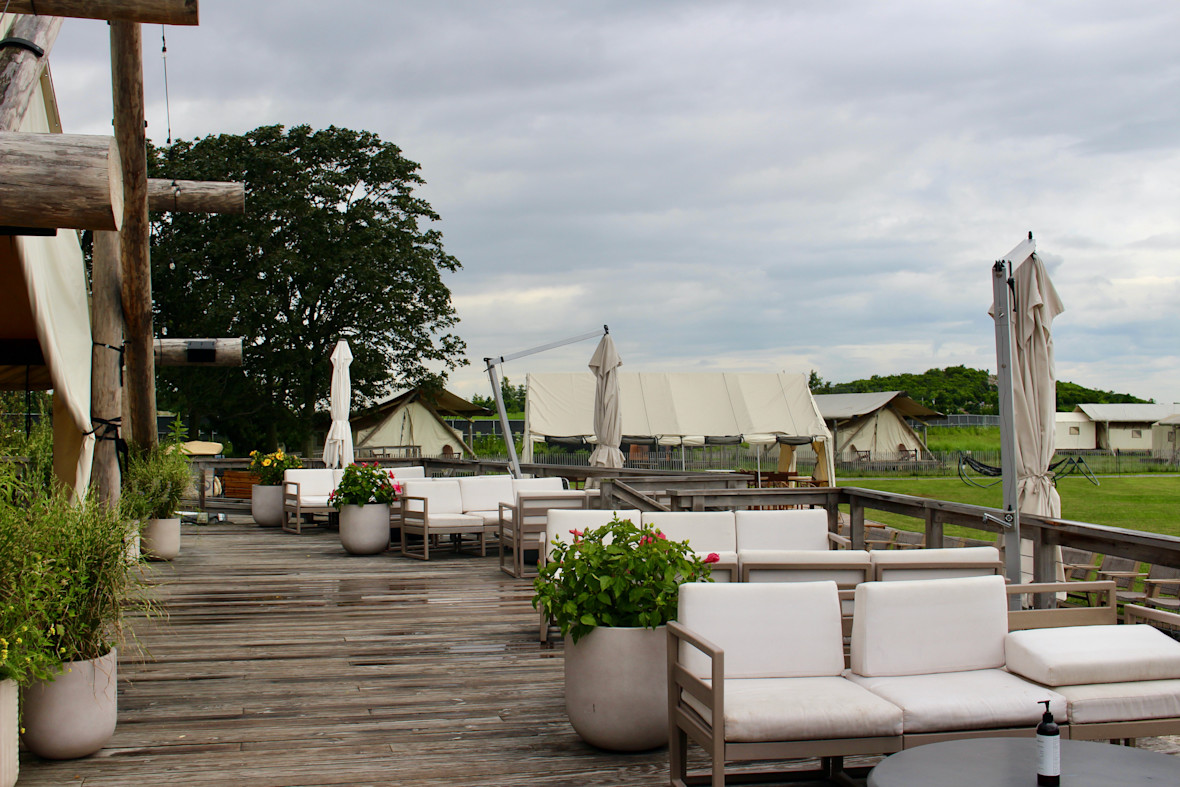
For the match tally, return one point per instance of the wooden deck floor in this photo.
(285, 661)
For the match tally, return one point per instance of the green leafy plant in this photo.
(155, 481)
(620, 575)
(362, 484)
(270, 467)
(65, 582)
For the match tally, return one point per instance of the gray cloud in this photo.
(748, 185)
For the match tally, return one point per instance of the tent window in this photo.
(1075, 430)
(1136, 433)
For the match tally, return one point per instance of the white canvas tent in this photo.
(45, 339)
(874, 422)
(414, 419)
(1164, 437)
(688, 408)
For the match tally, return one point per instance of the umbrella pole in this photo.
(1002, 309)
(509, 443)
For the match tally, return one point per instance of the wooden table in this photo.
(999, 762)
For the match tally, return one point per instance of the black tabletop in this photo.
(1000, 762)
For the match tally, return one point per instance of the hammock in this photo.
(1060, 469)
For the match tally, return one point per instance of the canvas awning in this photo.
(675, 407)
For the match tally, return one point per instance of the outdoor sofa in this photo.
(306, 490)
(931, 660)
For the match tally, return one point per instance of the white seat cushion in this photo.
(705, 531)
(798, 528)
(313, 501)
(454, 522)
(1074, 655)
(973, 700)
(1127, 701)
(488, 517)
(790, 709)
(929, 626)
(767, 630)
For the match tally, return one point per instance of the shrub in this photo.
(362, 484)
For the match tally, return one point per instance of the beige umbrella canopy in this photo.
(1034, 387)
(608, 417)
(338, 445)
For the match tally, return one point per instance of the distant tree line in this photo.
(958, 389)
(514, 397)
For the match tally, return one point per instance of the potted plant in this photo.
(153, 485)
(611, 590)
(266, 497)
(78, 586)
(363, 498)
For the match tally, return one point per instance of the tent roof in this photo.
(445, 403)
(1128, 413)
(756, 406)
(837, 407)
(1075, 416)
(1170, 420)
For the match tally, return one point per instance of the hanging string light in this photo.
(167, 105)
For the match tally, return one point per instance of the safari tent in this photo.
(1075, 431)
(411, 424)
(688, 408)
(873, 425)
(1125, 427)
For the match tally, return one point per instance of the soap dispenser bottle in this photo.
(1048, 750)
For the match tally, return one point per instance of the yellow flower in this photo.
(266, 463)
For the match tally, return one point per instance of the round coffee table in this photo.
(1000, 762)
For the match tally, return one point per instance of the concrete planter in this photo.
(74, 715)
(616, 689)
(266, 505)
(161, 539)
(364, 530)
(9, 726)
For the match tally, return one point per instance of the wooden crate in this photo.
(237, 483)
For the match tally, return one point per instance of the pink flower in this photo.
(645, 540)
(576, 534)
(661, 535)
(713, 558)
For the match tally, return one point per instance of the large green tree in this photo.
(334, 243)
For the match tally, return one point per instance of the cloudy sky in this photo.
(735, 186)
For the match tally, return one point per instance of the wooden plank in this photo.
(157, 12)
(196, 196)
(60, 180)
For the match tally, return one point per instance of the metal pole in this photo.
(509, 443)
(1002, 310)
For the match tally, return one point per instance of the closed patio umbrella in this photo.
(608, 418)
(338, 445)
(1034, 387)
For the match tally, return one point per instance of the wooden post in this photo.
(127, 85)
(60, 180)
(106, 394)
(20, 68)
(196, 196)
(198, 352)
(156, 12)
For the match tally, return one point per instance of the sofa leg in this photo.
(678, 757)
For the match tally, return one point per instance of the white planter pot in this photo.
(9, 726)
(266, 505)
(616, 689)
(133, 542)
(74, 715)
(364, 530)
(161, 539)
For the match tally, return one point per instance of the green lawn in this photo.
(1149, 503)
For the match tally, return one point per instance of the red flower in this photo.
(713, 558)
(576, 534)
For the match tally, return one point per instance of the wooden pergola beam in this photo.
(60, 180)
(127, 95)
(155, 12)
(196, 196)
(20, 68)
(198, 352)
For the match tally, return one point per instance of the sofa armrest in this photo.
(410, 517)
(837, 541)
(712, 694)
(1133, 613)
(290, 492)
(1104, 612)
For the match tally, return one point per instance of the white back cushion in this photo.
(443, 495)
(562, 520)
(547, 484)
(800, 528)
(771, 630)
(925, 626)
(313, 481)
(485, 492)
(705, 531)
(847, 567)
(412, 471)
